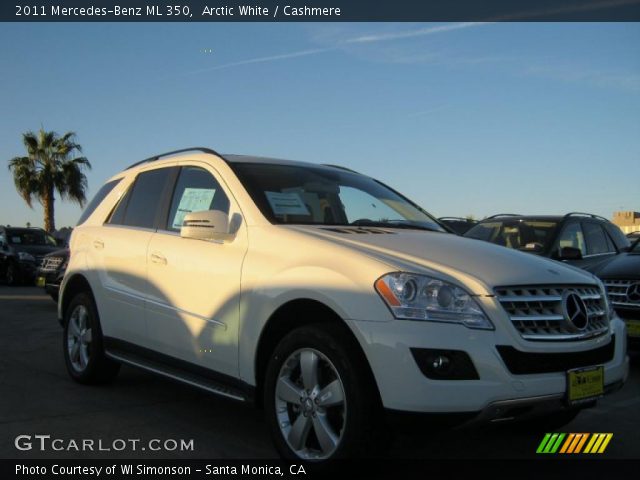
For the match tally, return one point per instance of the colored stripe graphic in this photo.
(550, 443)
(574, 443)
(567, 443)
(598, 443)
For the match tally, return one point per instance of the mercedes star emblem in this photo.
(575, 311)
(633, 293)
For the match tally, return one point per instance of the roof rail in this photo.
(458, 218)
(504, 215)
(590, 215)
(339, 167)
(174, 152)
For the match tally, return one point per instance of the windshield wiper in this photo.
(405, 226)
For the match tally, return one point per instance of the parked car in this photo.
(328, 298)
(51, 272)
(621, 276)
(580, 239)
(633, 236)
(458, 224)
(21, 252)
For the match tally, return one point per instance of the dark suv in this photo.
(22, 251)
(51, 272)
(580, 239)
(621, 276)
(458, 224)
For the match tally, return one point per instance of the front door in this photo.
(194, 285)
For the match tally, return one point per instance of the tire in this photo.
(11, 275)
(308, 364)
(82, 343)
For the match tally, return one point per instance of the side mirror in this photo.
(570, 253)
(206, 225)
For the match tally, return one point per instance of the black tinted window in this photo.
(139, 207)
(620, 240)
(597, 240)
(117, 217)
(97, 200)
(196, 190)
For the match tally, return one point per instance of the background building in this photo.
(627, 221)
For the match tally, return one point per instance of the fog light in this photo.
(441, 363)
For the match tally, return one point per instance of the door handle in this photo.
(158, 258)
(99, 244)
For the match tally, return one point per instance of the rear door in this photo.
(120, 250)
(600, 247)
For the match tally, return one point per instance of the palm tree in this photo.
(50, 166)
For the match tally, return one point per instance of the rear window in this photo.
(140, 205)
(97, 200)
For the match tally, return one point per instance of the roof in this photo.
(234, 158)
(544, 218)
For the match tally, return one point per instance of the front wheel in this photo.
(320, 401)
(11, 276)
(82, 343)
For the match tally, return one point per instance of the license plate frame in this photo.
(633, 328)
(584, 384)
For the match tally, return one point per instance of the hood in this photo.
(461, 258)
(623, 266)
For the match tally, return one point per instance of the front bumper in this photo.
(403, 387)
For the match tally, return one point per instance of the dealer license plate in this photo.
(633, 328)
(585, 384)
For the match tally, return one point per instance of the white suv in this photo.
(327, 298)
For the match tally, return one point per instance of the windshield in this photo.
(292, 194)
(528, 235)
(635, 246)
(30, 238)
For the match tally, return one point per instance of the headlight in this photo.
(26, 257)
(419, 297)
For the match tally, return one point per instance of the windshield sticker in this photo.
(286, 203)
(193, 200)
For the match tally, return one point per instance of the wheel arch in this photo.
(294, 314)
(75, 284)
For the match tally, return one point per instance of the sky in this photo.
(463, 118)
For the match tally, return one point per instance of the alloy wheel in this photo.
(79, 338)
(311, 406)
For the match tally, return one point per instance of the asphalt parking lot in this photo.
(38, 398)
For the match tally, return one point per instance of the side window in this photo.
(597, 240)
(572, 236)
(117, 216)
(97, 200)
(195, 190)
(619, 238)
(140, 205)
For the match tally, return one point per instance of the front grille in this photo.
(620, 295)
(523, 363)
(50, 264)
(537, 312)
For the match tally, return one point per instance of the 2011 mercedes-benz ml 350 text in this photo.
(326, 298)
